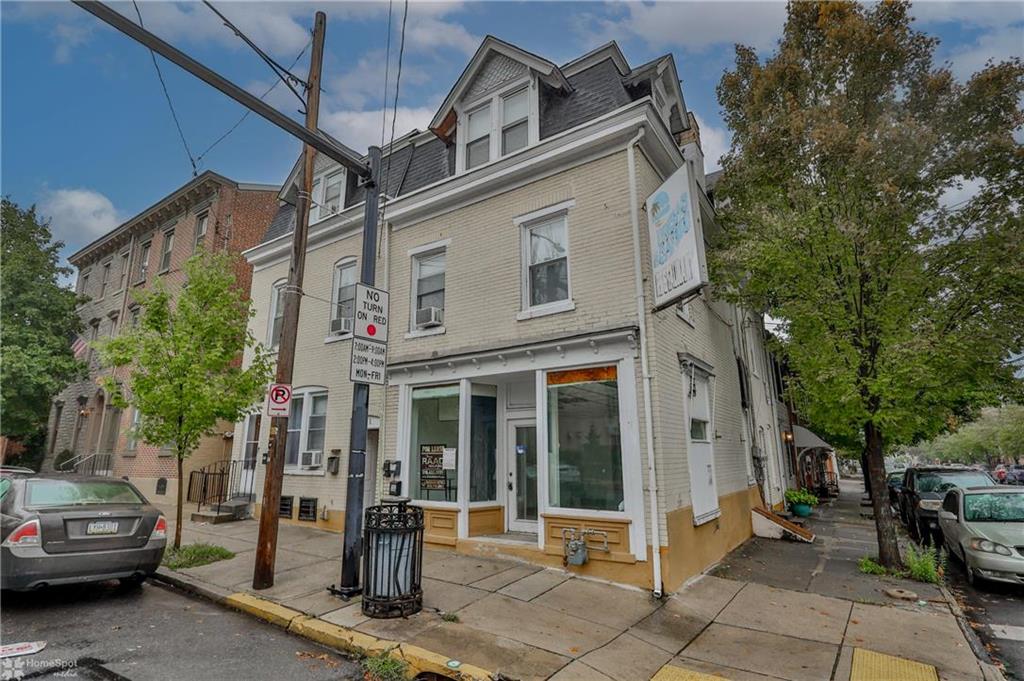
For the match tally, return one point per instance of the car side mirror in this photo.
(946, 515)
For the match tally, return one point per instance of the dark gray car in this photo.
(67, 529)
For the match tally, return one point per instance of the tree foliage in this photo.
(901, 307)
(38, 323)
(183, 359)
(998, 434)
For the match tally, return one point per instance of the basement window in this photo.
(285, 509)
(307, 508)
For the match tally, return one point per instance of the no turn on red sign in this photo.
(370, 345)
(279, 399)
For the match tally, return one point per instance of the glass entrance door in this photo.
(522, 476)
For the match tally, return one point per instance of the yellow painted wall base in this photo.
(692, 550)
(335, 521)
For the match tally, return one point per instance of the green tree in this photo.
(183, 370)
(901, 307)
(38, 323)
(997, 435)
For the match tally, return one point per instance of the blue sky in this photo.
(87, 135)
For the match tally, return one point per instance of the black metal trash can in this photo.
(392, 560)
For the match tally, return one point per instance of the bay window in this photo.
(584, 440)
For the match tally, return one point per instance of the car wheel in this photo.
(972, 579)
(913, 529)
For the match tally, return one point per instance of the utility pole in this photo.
(266, 547)
(353, 547)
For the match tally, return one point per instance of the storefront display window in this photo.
(434, 443)
(584, 440)
(483, 466)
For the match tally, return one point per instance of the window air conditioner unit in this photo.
(311, 459)
(429, 317)
(341, 326)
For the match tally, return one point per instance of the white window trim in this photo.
(124, 259)
(307, 393)
(497, 113)
(320, 189)
(344, 262)
(526, 223)
(414, 255)
(145, 249)
(106, 267)
(198, 238)
(280, 283)
(165, 252)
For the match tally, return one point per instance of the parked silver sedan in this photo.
(984, 527)
(67, 529)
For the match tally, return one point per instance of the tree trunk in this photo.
(177, 523)
(885, 525)
(864, 472)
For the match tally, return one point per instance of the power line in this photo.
(170, 104)
(245, 115)
(284, 74)
(387, 74)
(394, 115)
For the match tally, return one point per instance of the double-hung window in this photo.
(547, 262)
(202, 222)
(428, 271)
(515, 121)
(144, 261)
(328, 194)
(478, 137)
(123, 272)
(104, 279)
(165, 252)
(83, 283)
(307, 426)
(276, 314)
(343, 307)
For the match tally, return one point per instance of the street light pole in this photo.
(266, 547)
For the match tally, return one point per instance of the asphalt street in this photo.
(153, 633)
(996, 612)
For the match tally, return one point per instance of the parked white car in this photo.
(984, 527)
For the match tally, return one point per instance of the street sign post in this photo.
(279, 399)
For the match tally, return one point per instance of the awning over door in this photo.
(805, 439)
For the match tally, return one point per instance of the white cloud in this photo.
(714, 142)
(963, 191)
(78, 216)
(360, 129)
(997, 45)
(693, 26)
(68, 37)
(364, 82)
(984, 14)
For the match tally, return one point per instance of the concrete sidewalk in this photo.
(525, 622)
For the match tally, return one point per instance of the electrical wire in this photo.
(245, 115)
(284, 74)
(387, 74)
(394, 115)
(167, 95)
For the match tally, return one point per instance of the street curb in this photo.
(419, 660)
(191, 585)
(989, 671)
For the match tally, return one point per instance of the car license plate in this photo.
(102, 527)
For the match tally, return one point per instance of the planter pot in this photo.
(802, 510)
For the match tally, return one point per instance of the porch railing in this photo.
(95, 463)
(217, 483)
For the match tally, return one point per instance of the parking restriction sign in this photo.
(279, 399)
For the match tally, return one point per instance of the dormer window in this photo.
(478, 137)
(503, 123)
(328, 195)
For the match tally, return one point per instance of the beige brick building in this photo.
(514, 246)
(85, 430)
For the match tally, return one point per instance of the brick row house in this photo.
(85, 431)
(516, 410)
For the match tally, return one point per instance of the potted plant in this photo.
(800, 501)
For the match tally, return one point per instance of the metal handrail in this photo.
(219, 482)
(89, 461)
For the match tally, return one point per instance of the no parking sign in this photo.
(279, 399)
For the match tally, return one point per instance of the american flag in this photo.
(79, 347)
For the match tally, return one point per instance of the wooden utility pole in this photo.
(266, 547)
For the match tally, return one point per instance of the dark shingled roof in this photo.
(597, 90)
(283, 223)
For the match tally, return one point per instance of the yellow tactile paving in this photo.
(871, 666)
(672, 673)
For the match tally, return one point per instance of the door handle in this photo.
(510, 487)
